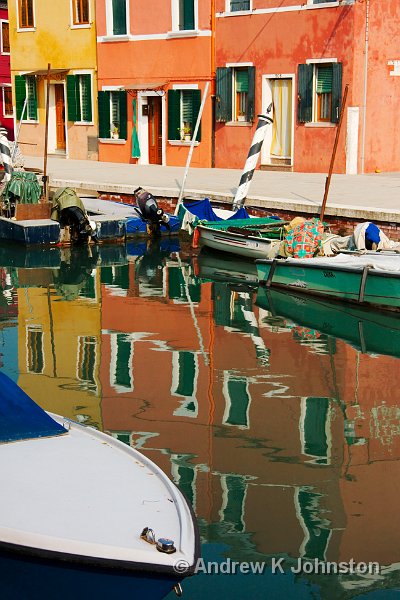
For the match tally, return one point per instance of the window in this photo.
(236, 5)
(121, 373)
(321, 1)
(319, 92)
(186, 15)
(234, 490)
(86, 362)
(80, 12)
(79, 98)
(112, 114)
(183, 109)
(5, 38)
(238, 400)
(25, 14)
(34, 344)
(235, 94)
(314, 429)
(25, 87)
(185, 375)
(117, 17)
(7, 102)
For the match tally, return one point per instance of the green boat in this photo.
(370, 331)
(370, 279)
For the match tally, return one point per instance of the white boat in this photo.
(83, 515)
(243, 239)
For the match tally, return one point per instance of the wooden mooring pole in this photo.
(46, 136)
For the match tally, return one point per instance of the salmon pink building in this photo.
(6, 105)
(298, 56)
(154, 60)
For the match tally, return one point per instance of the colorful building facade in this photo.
(54, 45)
(298, 57)
(154, 61)
(6, 104)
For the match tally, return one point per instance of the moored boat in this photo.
(365, 278)
(82, 514)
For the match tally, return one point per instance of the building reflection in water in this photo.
(284, 438)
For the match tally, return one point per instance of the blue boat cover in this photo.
(138, 225)
(20, 417)
(204, 211)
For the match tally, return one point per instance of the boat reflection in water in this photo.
(286, 446)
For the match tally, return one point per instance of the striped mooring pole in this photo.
(5, 157)
(252, 158)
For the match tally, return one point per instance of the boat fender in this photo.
(195, 240)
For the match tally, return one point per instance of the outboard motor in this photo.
(150, 211)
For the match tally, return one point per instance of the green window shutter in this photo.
(119, 17)
(223, 108)
(174, 117)
(122, 367)
(324, 80)
(188, 14)
(304, 107)
(196, 100)
(71, 98)
(103, 100)
(123, 115)
(315, 440)
(251, 78)
(187, 372)
(237, 390)
(32, 97)
(336, 91)
(20, 95)
(86, 108)
(242, 80)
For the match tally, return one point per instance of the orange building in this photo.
(154, 61)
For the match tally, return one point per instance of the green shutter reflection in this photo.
(176, 287)
(122, 367)
(315, 440)
(235, 490)
(317, 532)
(187, 371)
(186, 480)
(239, 402)
(121, 277)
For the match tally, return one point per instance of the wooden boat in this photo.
(368, 330)
(251, 238)
(82, 514)
(365, 278)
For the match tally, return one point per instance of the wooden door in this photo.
(155, 130)
(60, 116)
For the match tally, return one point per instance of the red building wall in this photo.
(5, 77)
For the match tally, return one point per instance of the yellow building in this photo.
(54, 43)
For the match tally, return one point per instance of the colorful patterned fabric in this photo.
(305, 239)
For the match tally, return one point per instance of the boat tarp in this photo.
(204, 211)
(249, 223)
(24, 185)
(20, 417)
(376, 261)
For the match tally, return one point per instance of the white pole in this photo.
(189, 158)
(252, 158)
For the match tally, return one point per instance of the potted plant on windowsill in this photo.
(241, 116)
(186, 133)
(114, 132)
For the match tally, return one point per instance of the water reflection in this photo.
(276, 416)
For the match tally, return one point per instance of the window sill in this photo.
(239, 123)
(183, 33)
(181, 143)
(317, 124)
(111, 141)
(81, 26)
(87, 123)
(23, 29)
(115, 38)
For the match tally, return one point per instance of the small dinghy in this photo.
(83, 515)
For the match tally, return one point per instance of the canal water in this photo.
(277, 415)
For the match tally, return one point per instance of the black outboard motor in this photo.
(150, 211)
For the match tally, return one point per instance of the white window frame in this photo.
(22, 29)
(175, 18)
(8, 86)
(237, 12)
(83, 72)
(316, 63)
(1, 23)
(110, 22)
(80, 25)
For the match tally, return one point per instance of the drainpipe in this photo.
(212, 83)
(364, 120)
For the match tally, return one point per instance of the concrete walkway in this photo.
(364, 197)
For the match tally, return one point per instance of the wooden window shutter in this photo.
(20, 95)
(251, 94)
(336, 91)
(174, 116)
(71, 98)
(304, 106)
(86, 108)
(188, 14)
(223, 106)
(119, 17)
(123, 115)
(103, 100)
(196, 101)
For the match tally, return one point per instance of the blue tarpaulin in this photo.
(204, 211)
(20, 417)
